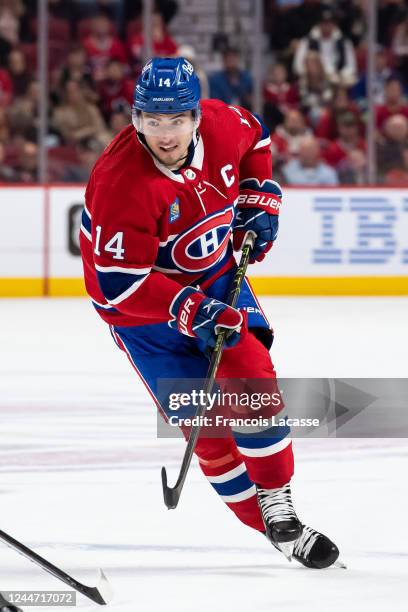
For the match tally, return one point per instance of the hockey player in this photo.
(162, 204)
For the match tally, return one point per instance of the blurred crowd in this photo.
(314, 94)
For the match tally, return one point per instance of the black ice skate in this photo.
(315, 550)
(282, 525)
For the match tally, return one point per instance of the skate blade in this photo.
(339, 564)
(287, 549)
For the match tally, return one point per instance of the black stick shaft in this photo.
(90, 592)
(172, 494)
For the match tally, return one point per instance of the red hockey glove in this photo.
(198, 316)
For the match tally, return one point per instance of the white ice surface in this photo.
(80, 470)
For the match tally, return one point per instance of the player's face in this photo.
(169, 136)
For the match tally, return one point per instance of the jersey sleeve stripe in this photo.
(166, 270)
(265, 138)
(132, 289)
(86, 211)
(135, 271)
(263, 143)
(86, 233)
(86, 222)
(117, 286)
(169, 239)
(103, 306)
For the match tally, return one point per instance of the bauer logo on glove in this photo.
(198, 316)
(257, 212)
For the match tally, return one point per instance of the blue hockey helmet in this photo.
(167, 85)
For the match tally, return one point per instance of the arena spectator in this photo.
(352, 18)
(287, 21)
(23, 113)
(314, 88)
(116, 89)
(26, 170)
(77, 69)
(232, 84)
(398, 177)
(352, 170)
(5, 49)
(76, 118)
(85, 9)
(118, 121)
(88, 151)
(278, 91)
(392, 145)
(10, 11)
(336, 51)
(4, 126)
(6, 172)
(383, 73)
(162, 43)
(189, 53)
(278, 96)
(400, 44)
(308, 168)
(18, 71)
(101, 45)
(6, 88)
(287, 137)
(390, 14)
(167, 9)
(394, 103)
(349, 139)
(326, 128)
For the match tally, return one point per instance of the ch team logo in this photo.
(204, 244)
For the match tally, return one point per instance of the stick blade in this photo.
(101, 594)
(171, 496)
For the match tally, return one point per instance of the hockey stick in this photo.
(172, 494)
(101, 594)
(6, 606)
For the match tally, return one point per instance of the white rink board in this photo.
(343, 227)
(323, 233)
(62, 262)
(22, 232)
(340, 232)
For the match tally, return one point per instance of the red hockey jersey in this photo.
(147, 231)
